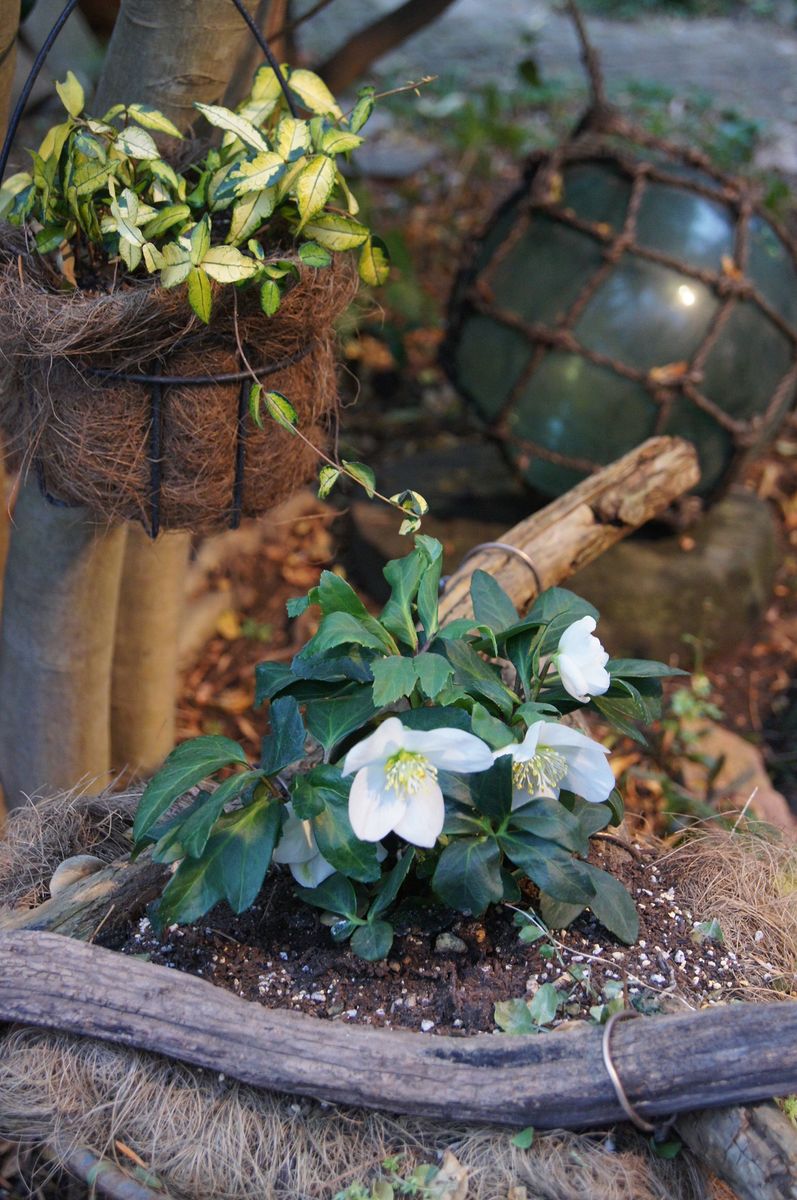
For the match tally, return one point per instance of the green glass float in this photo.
(624, 291)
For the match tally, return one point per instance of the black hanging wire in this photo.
(159, 382)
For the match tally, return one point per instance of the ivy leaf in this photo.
(374, 264)
(394, 678)
(223, 118)
(186, 766)
(313, 186)
(285, 744)
(313, 255)
(373, 941)
(332, 720)
(73, 97)
(199, 294)
(432, 672)
(491, 605)
(364, 476)
(152, 118)
(468, 875)
(335, 231)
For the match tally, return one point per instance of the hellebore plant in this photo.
(408, 761)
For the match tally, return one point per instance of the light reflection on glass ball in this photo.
(594, 398)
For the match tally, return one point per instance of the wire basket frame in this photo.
(157, 381)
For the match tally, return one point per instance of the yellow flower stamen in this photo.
(405, 771)
(542, 773)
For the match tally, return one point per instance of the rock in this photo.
(741, 776)
(651, 590)
(72, 870)
(449, 943)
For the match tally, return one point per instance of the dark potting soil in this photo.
(445, 972)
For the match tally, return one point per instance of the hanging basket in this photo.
(123, 401)
(126, 403)
(626, 289)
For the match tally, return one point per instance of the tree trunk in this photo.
(64, 572)
(352, 60)
(56, 645)
(151, 602)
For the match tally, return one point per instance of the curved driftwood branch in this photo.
(575, 529)
(668, 1064)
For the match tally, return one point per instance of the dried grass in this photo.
(91, 435)
(748, 881)
(206, 1137)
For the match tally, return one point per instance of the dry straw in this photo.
(91, 435)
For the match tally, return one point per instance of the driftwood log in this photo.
(579, 526)
(668, 1064)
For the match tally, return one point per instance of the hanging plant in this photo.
(155, 305)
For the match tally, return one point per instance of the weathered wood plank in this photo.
(668, 1064)
(575, 529)
(754, 1149)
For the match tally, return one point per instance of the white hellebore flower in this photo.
(297, 849)
(396, 786)
(581, 661)
(552, 757)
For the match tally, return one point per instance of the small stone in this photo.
(335, 1008)
(449, 943)
(426, 1026)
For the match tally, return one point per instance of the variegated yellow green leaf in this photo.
(54, 140)
(292, 139)
(221, 187)
(335, 231)
(313, 186)
(265, 85)
(270, 296)
(167, 175)
(130, 253)
(199, 294)
(374, 262)
(72, 95)
(223, 118)
(249, 214)
(339, 141)
(153, 259)
(136, 143)
(263, 171)
(151, 118)
(228, 265)
(313, 93)
(200, 240)
(177, 264)
(89, 177)
(166, 218)
(351, 200)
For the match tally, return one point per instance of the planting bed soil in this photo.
(445, 972)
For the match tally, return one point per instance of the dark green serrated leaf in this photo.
(394, 678)
(188, 837)
(335, 894)
(307, 800)
(334, 835)
(612, 905)
(468, 875)
(551, 820)
(478, 677)
(491, 604)
(391, 886)
(492, 731)
(372, 941)
(270, 679)
(334, 594)
(641, 668)
(439, 717)
(344, 629)
(556, 913)
(331, 720)
(491, 791)
(186, 766)
(428, 597)
(432, 672)
(285, 744)
(404, 576)
(549, 866)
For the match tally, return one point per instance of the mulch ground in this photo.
(445, 972)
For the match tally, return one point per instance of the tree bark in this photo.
(352, 60)
(573, 530)
(144, 685)
(9, 27)
(56, 645)
(676, 1063)
(753, 1148)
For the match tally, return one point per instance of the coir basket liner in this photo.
(67, 413)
